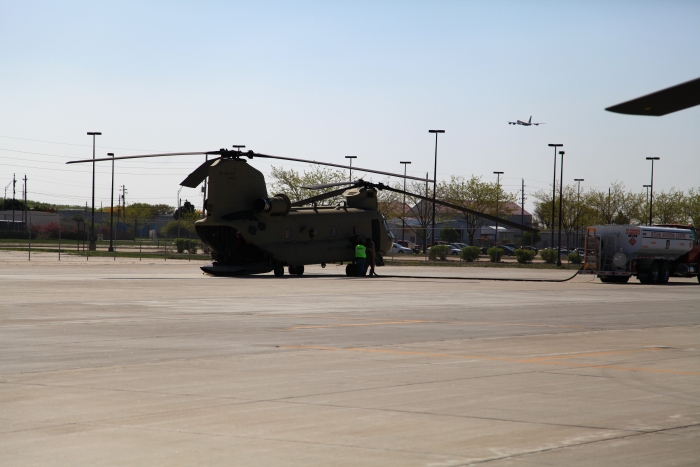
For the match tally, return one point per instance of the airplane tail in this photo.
(530, 121)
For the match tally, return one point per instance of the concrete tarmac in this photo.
(153, 363)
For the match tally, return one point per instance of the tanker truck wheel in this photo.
(654, 273)
(299, 270)
(351, 270)
(664, 272)
(279, 271)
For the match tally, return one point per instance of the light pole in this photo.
(647, 198)
(435, 178)
(561, 203)
(93, 246)
(498, 196)
(578, 206)
(554, 185)
(179, 212)
(111, 207)
(403, 218)
(651, 190)
(351, 158)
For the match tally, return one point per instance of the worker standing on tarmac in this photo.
(360, 257)
(371, 257)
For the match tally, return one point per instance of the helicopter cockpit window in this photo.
(288, 234)
(355, 230)
(334, 231)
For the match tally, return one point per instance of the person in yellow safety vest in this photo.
(360, 258)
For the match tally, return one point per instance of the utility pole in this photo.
(14, 183)
(403, 230)
(24, 210)
(93, 245)
(425, 234)
(435, 177)
(111, 208)
(351, 158)
(554, 185)
(498, 195)
(522, 213)
(561, 203)
(578, 208)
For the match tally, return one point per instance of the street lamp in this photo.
(578, 206)
(351, 158)
(93, 245)
(561, 203)
(647, 187)
(403, 230)
(554, 185)
(435, 178)
(111, 207)
(498, 196)
(651, 196)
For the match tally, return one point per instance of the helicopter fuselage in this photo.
(244, 238)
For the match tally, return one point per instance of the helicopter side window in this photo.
(288, 234)
(334, 231)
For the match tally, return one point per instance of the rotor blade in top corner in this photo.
(390, 174)
(101, 159)
(328, 185)
(198, 175)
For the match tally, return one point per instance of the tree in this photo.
(574, 211)
(691, 207)
(290, 182)
(616, 206)
(477, 196)
(670, 208)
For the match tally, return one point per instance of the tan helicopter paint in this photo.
(304, 235)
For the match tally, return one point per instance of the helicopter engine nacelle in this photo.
(278, 205)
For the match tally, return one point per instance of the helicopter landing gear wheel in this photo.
(351, 270)
(279, 271)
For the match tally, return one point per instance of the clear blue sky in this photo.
(324, 80)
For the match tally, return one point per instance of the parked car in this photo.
(460, 245)
(531, 248)
(397, 249)
(507, 251)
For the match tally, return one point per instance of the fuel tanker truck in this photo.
(614, 253)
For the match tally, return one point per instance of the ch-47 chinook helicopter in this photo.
(250, 232)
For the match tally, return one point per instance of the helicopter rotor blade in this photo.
(252, 154)
(101, 159)
(199, 174)
(329, 185)
(317, 198)
(456, 207)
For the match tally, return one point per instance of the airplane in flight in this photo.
(528, 123)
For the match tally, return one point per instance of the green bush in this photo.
(170, 229)
(574, 258)
(495, 254)
(439, 252)
(549, 255)
(470, 253)
(183, 244)
(524, 256)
